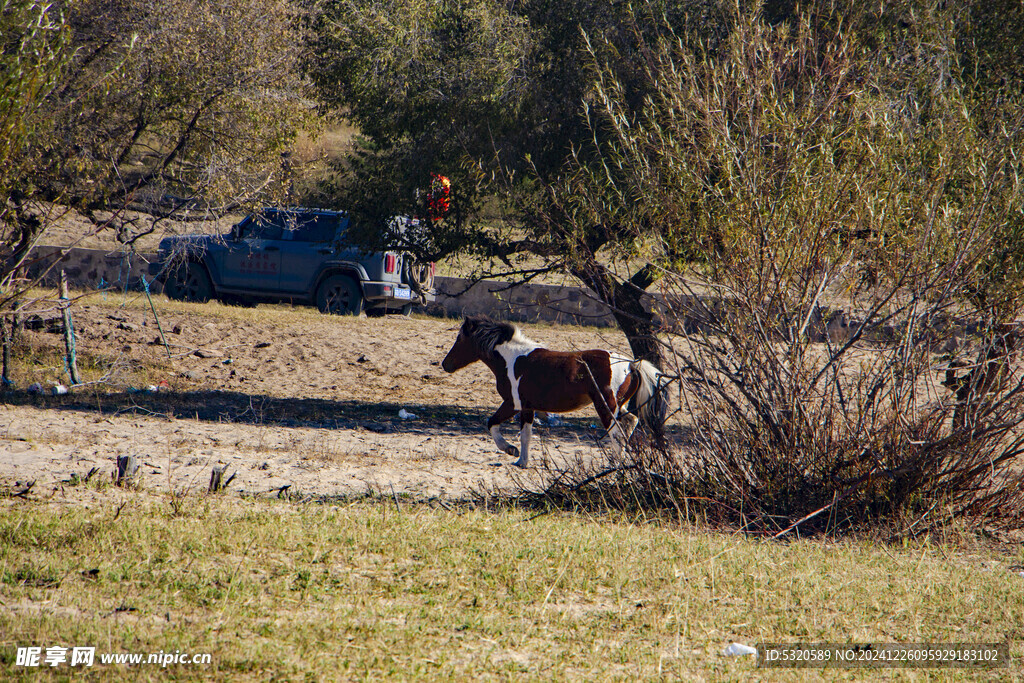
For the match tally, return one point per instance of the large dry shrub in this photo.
(840, 235)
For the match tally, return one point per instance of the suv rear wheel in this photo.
(339, 295)
(190, 283)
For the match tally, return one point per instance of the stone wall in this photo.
(456, 297)
(92, 268)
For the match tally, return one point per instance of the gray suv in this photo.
(296, 255)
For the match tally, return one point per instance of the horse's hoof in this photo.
(513, 451)
(521, 464)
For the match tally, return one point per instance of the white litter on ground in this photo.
(739, 649)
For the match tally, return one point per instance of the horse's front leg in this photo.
(525, 432)
(503, 413)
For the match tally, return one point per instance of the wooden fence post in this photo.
(5, 374)
(127, 469)
(69, 329)
(217, 481)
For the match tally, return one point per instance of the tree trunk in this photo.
(625, 299)
(626, 302)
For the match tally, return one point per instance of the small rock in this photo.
(59, 390)
(262, 345)
(191, 374)
(128, 327)
(178, 329)
(208, 353)
(35, 388)
(361, 359)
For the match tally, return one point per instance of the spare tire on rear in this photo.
(416, 275)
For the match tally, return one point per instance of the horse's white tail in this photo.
(649, 403)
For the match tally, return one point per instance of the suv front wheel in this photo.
(339, 295)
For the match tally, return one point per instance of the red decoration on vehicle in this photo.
(439, 197)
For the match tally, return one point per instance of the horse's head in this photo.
(464, 351)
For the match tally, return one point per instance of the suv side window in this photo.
(315, 228)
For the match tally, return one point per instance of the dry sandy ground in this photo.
(284, 397)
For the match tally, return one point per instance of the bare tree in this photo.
(171, 107)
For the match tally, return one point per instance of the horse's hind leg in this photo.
(617, 422)
(627, 424)
(504, 412)
(525, 432)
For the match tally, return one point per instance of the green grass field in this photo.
(380, 589)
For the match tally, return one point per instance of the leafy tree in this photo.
(492, 94)
(34, 55)
(168, 107)
(180, 109)
(505, 97)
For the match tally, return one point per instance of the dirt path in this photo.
(284, 397)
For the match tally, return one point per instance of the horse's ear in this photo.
(468, 325)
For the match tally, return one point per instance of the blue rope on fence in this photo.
(163, 337)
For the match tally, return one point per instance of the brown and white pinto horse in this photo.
(531, 378)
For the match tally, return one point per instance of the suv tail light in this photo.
(389, 263)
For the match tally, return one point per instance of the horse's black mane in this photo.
(487, 333)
